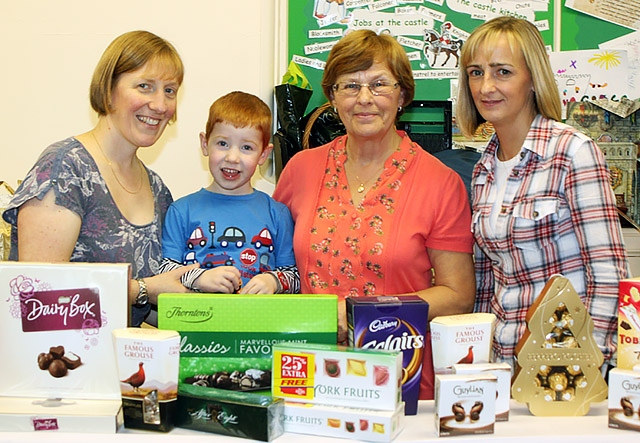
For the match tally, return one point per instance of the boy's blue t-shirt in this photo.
(252, 232)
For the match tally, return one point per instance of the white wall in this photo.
(49, 49)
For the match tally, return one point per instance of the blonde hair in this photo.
(524, 37)
(359, 50)
(241, 110)
(127, 53)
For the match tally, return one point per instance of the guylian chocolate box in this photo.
(226, 340)
(396, 323)
(337, 375)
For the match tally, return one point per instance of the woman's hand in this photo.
(166, 282)
(221, 280)
(260, 284)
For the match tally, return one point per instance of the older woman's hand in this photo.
(165, 282)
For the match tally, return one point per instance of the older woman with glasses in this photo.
(374, 213)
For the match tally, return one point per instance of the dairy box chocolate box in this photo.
(461, 339)
(56, 322)
(624, 399)
(502, 371)
(337, 375)
(397, 323)
(239, 414)
(148, 362)
(340, 422)
(629, 323)
(465, 404)
(226, 340)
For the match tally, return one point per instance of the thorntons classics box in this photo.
(629, 323)
(394, 323)
(148, 362)
(337, 375)
(56, 322)
(461, 339)
(226, 339)
(336, 421)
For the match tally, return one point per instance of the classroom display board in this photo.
(431, 31)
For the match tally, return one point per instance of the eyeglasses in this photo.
(351, 89)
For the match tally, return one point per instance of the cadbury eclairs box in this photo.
(397, 323)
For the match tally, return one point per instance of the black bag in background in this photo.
(291, 104)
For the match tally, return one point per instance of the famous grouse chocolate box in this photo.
(148, 361)
(56, 322)
(394, 323)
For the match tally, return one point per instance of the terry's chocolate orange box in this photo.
(394, 323)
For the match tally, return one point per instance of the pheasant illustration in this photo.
(467, 359)
(137, 378)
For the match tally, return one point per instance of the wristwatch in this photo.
(143, 296)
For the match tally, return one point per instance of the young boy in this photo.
(242, 238)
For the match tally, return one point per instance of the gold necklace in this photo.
(114, 172)
(363, 184)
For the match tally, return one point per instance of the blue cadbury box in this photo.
(397, 323)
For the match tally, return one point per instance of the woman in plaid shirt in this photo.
(542, 202)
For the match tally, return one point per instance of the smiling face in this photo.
(501, 85)
(234, 154)
(366, 115)
(143, 103)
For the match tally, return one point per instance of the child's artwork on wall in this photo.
(593, 74)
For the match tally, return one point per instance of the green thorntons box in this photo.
(226, 340)
(239, 414)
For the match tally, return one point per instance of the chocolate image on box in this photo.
(58, 362)
(364, 425)
(476, 409)
(378, 427)
(333, 422)
(624, 325)
(627, 407)
(356, 367)
(349, 426)
(249, 380)
(332, 367)
(381, 375)
(458, 412)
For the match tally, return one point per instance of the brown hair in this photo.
(359, 50)
(522, 36)
(127, 53)
(241, 109)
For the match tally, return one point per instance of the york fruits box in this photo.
(337, 375)
(55, 322)
(629, 323)
(337, 421)
(461, 339)
(240, 414)
(624, 399)
(394, 323)
(465, 404)
(226, 340)
(148, 373)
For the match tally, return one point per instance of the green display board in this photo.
(315, 25)
(310, 35)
